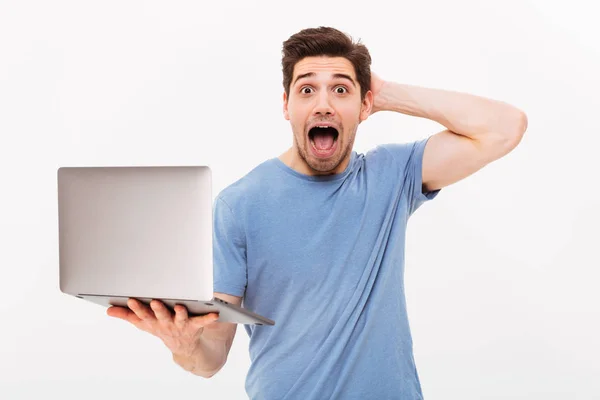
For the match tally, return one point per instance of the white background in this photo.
(502, 268)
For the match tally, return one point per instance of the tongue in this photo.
(323, 140)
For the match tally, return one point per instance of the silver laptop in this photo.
(144, 233)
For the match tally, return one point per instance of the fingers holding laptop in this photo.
(177, 330)
(123, 313)
(181, 316)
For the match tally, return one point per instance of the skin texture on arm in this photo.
(213, 345)
(478, 130)
(224, 330)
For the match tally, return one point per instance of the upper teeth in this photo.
(322, 126)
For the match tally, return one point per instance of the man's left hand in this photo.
(376, 86)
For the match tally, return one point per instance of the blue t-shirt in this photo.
(323, 256)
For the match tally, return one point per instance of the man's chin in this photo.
(324, 166)
(319, 165)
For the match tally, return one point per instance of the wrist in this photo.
(185, 361)
(188, 357)
(404, 99)
(204, 359)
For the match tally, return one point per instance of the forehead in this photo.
(324, 66)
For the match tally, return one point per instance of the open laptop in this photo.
(144, 233)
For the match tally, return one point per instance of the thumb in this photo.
(203, 320)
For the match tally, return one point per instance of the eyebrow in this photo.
(335, 76)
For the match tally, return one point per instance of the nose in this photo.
(323, 105)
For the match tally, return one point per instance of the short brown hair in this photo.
(326, 41)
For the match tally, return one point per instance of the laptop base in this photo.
(227, 312)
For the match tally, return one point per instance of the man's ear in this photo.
(285, 107)
(367, 106)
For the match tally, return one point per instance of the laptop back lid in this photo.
(136, 231)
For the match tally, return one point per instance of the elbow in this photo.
(521, 124)
(514, 134)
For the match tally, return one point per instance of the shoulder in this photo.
(394, 157)
(401, 153)
(248, 188)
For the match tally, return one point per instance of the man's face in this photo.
(324, 108)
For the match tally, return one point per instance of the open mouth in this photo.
(323, 139)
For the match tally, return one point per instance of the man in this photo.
(314, 238)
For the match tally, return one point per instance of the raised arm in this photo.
(478, 130)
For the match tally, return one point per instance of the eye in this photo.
(341, 90)
(306, 90)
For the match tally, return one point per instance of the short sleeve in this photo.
(409, 156)
(229, 251)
